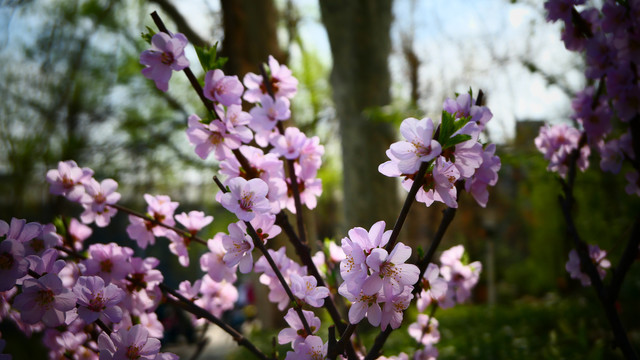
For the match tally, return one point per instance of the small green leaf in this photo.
(148, 35)
(208, 57)
(420, 252)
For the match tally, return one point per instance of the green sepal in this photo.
(208, 57)
(146, 36)
(420, 252)
(448, 127)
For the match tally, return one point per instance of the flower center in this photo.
(246, 202)
(45, 297)
(166, 58)
(133, 352)
(6, 261)
(97, 304)
(106, 265)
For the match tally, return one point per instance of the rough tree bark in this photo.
(360, 44)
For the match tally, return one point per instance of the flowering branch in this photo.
(184, 233)
(187, 71)
(587, 264)
(417, 183)
(258, 242)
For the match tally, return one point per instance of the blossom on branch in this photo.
(166, 55)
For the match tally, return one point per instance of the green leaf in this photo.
(208, 57)
(455, 140)
(148, 35)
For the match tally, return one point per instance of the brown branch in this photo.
(196, 310)
(182, 232)
(181, 23)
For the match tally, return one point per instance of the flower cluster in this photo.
(99, 302)
(66, 298)
(606, 34)
(373, 276)
(452, 153)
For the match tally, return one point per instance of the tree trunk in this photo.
(360, 44)
(250, 35)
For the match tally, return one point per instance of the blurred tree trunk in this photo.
(360, 44)
(250, 35)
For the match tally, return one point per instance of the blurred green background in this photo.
(72, 89)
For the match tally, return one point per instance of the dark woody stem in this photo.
(418, 180)
(607, 298)
(199, 312)
(258, 242)
(182, 232)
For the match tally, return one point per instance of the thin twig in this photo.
(182, 232)
(196, 310)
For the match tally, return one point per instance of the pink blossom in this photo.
(633, 183)
(268, 167)
(161, 209)
(246, 198)
(312, 348)
(96, 201)
(305, 288)
(132, 343)
(461, 278)
(389, 272)
(13, 265)
(213, 261)
(238, 246)
(141, 231)
(166, 55)
(419, 146)
(217, 297)
(296, 333)
(179, 246)
(48, 262)
(394, 307)
(597, 257)
(283, 83)
(235, 119)
(194, 221)
(95, 300)
(556, 143)
(266, 116)
(290, 144)
(214, 137)
(78, 232)
(425, 330)
(44, 299)
(47, 238)
(611, 155)
(486, 175)
(68, 179)
(441, 184)
(434, 288)
(226, 90)
(109, 261)
(20, 230)
(362, 305)
(311, 157)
